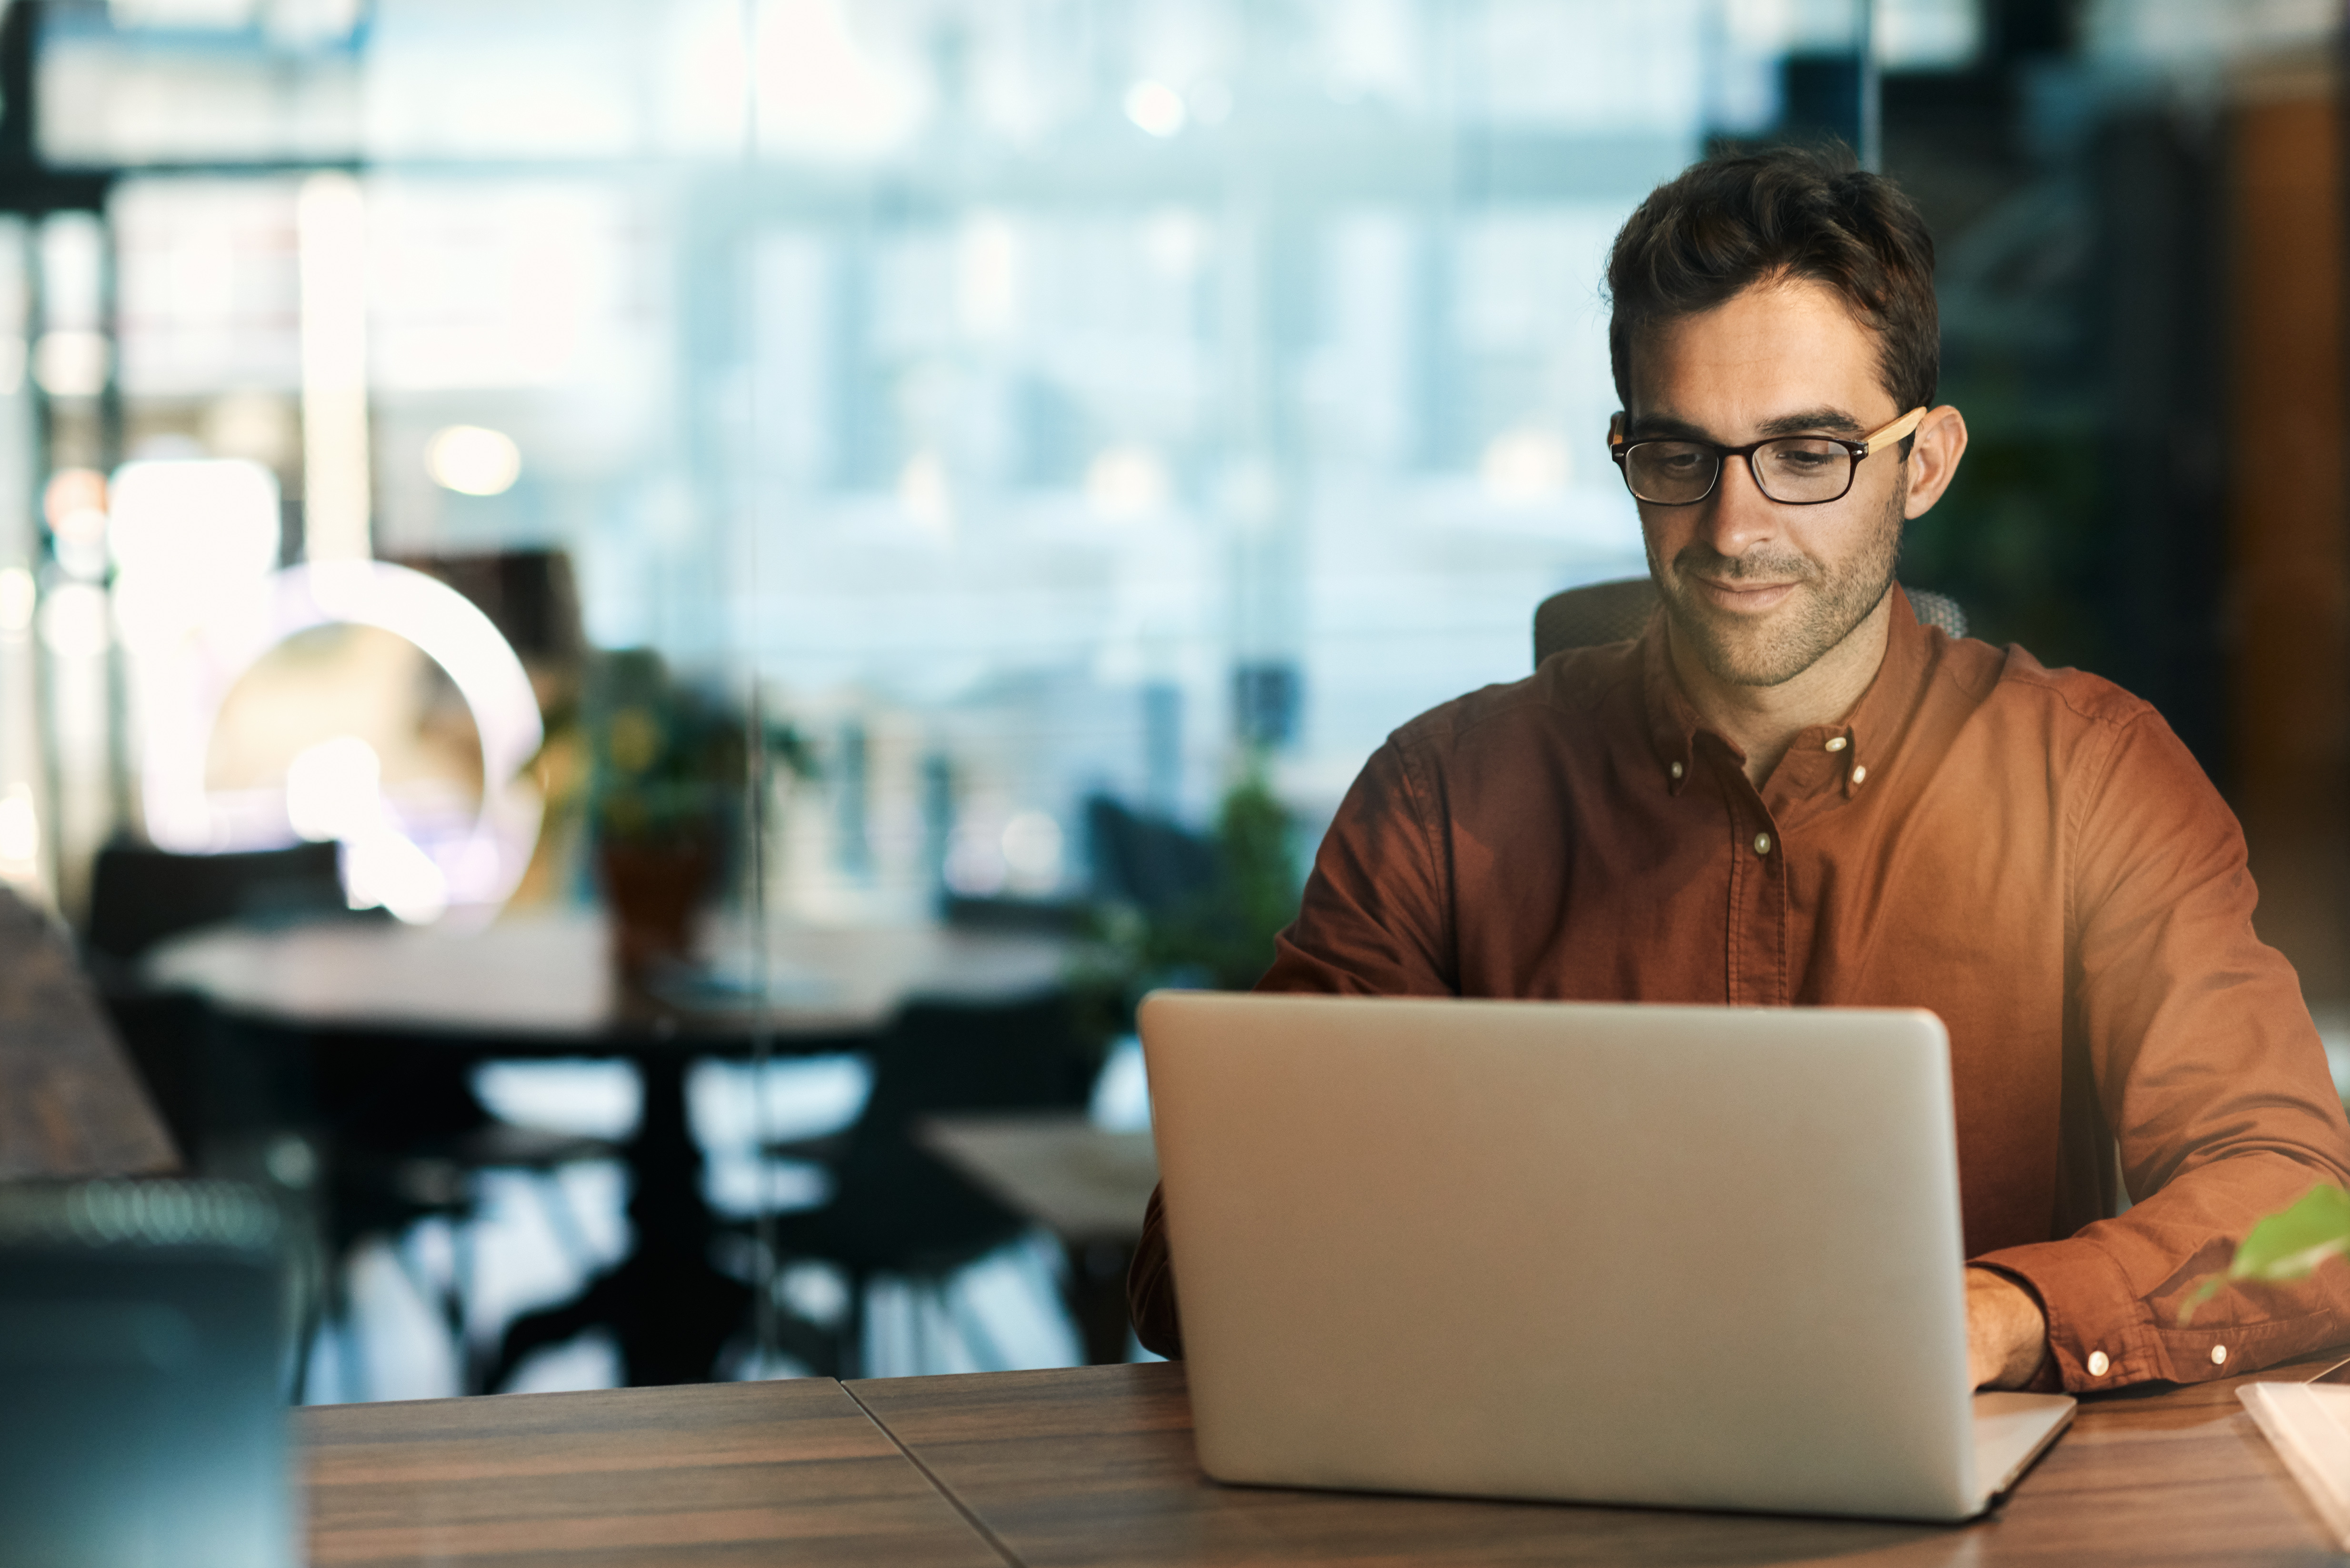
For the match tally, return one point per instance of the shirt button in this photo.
(1858, 772)
(1762, 844)
(2218, 1355)
(1676, 770)
(2097, 1364)
(1836, 742)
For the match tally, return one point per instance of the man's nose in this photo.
(1737, 515)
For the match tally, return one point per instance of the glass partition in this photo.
(475, 434)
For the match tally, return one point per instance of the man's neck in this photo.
(1763, 722)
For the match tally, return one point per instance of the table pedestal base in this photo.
(669, 1307)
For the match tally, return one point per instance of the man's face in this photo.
(1760, 590)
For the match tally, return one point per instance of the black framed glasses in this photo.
(1795, 471)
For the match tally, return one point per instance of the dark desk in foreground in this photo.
(1094, 1465)
(70, 1105)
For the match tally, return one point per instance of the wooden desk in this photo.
(70, 1105)
(1094, 1465)
(721, 1473)
(1088, 1187)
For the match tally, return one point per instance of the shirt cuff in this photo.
(2103, 1335)
(2098, 1335)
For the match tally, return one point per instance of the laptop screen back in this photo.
(1699, 1257)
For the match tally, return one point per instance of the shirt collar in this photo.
(1674, 726)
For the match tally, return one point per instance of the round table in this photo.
(541, 984)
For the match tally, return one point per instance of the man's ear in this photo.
(1934, 452)
(1616, 426)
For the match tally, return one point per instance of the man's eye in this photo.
(1804, 460)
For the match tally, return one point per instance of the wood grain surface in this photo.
(710, 1474)
(1094, 1465)
(70, 1103)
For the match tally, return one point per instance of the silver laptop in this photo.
(1688, 1257)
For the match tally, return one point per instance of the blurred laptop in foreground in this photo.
(141, 1375)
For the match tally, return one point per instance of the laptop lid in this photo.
(1675, 1256)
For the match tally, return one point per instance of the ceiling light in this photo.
(473, 461)
(1156, 108)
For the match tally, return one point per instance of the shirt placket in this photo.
(1756, 964)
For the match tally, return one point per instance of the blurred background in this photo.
(714, 472)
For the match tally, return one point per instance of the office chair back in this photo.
(140, 895)
(1601, 613)
(1155, 864)
(895, 1209)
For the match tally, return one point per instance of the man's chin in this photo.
(1742, 666)
(1740, 650)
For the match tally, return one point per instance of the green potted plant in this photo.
(1221, 935)
(668, 765)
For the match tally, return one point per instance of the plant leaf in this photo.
(2288, 1245)
(2209, 1286)
(2285, 1246)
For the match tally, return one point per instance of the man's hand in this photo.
(2007, 1334)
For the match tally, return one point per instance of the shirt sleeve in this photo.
(1375, 921)
(2209, 1074)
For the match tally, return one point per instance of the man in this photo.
(1788, 792)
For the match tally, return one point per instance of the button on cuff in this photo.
(2099, 1364)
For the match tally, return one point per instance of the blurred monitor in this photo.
(140, 1357)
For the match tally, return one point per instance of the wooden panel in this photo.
(1094, 1465)
(70, 1103)
(708, 1474)
(2290, 618)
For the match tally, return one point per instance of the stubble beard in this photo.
(1828, 603)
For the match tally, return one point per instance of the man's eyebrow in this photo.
(1833, 420)
(1665, 427)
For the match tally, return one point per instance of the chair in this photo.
(895, 1209)
(1618, 611)
(1153, 863)
(139, 896)
(402, 1134)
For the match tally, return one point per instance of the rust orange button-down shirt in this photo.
(2029, 852)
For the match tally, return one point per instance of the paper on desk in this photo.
(2309, 1424)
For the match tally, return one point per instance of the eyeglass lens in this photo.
(1800, 470)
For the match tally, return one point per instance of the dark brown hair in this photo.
(1725, 224)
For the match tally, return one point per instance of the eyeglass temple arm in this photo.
(1889, 434)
